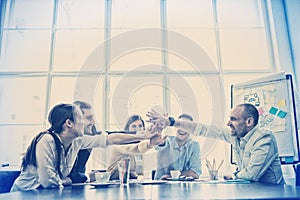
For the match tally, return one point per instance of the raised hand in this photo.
(161, 121)
(153, 131)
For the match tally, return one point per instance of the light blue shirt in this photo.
(171, 156)
(256, 153)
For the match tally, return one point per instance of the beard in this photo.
(233, 131)
(88, 130)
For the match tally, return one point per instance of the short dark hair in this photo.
(186, 116)
(250, 111)
(132, 119)
(83, 105)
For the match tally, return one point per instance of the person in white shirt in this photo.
(134, 123)
(255, 148)
(52, 153)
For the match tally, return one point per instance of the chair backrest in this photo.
(298, 174)
(7, 178)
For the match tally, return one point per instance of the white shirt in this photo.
(257, 153)
(46, 174)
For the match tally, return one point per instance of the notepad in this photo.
(222, 181)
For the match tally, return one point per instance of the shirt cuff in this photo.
(160, 147)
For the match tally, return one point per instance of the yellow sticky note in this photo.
(281, 103)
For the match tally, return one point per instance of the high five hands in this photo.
(161, 120)
(154, 133)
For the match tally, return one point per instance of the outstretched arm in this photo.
(119, 138)
(163, 121)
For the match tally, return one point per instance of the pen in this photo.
(209, 165)
(220, 164)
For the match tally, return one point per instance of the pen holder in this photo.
(213, 174)
(213, 169)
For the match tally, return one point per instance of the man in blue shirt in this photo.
(179, 152)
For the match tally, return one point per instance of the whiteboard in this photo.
(273, 96)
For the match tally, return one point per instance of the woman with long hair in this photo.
(134, 123)
(52, 153)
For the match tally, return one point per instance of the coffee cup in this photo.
(175, 173)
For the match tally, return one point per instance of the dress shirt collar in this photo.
(247, 137)
(176, 146)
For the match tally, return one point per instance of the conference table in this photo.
(163, 190)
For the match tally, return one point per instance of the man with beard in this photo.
(255, 148)
(77, 174)
(179, 152)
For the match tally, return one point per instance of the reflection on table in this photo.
(169, 190)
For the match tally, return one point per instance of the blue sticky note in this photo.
(289, 160)
(273, 110)
(281, 114)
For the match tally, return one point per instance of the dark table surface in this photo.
(171, 190)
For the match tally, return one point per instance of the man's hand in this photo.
(189, 173)
(152, 131)
(228, 177)
(162, 121)
(157, 140)
(164, 177)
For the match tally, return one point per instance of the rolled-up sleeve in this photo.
(195, 162)
(164, 146)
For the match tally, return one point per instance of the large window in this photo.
(124, 57)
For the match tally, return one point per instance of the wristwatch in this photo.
(172, 121)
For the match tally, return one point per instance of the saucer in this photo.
(79, 184)
(101, 185)
(153, 182)
(181, 179)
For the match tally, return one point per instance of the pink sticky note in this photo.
(261, 111)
